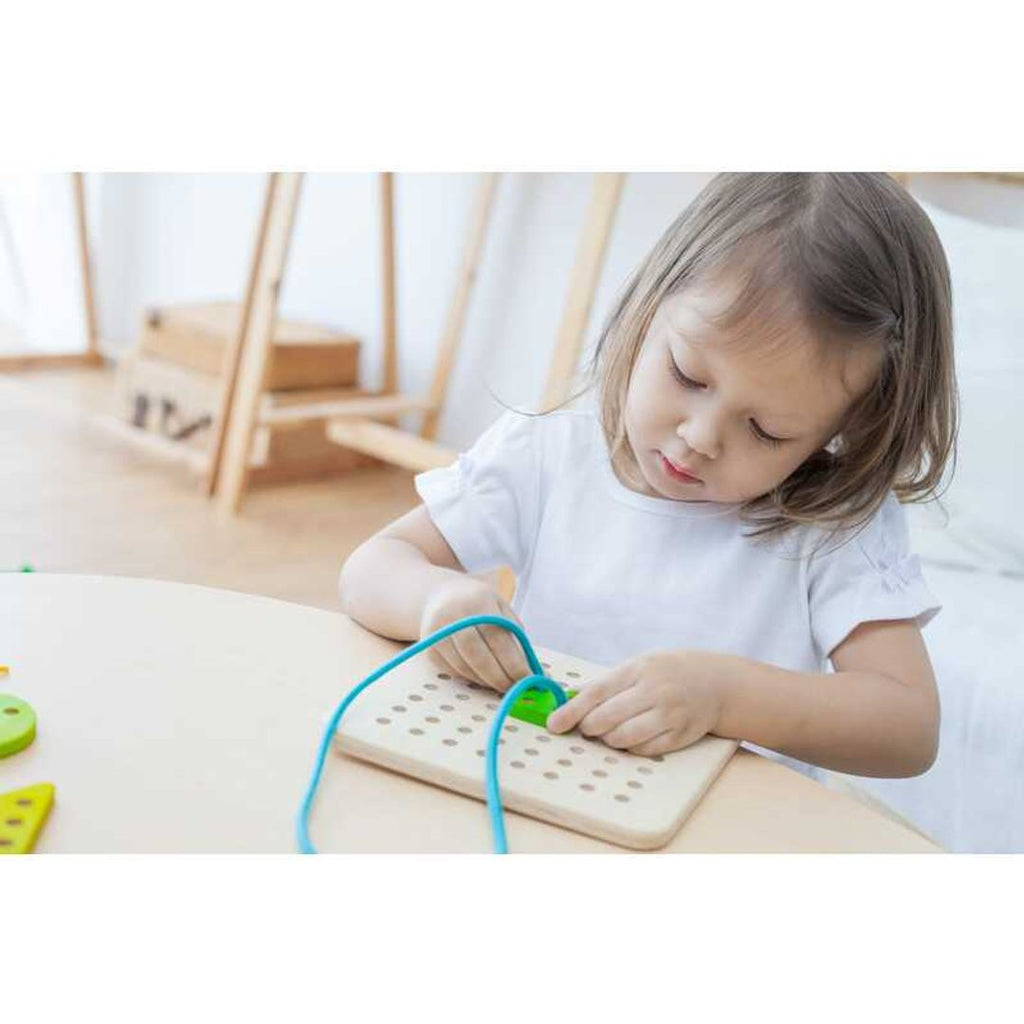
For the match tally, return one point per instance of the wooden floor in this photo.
(74, 498)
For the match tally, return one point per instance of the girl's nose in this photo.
(701, 436)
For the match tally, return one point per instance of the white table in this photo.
(176, 718)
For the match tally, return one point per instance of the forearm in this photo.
(384, 586)
(863, 723)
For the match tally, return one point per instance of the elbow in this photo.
(347, 582)
(343, 589)
(926, 758)
(915, 765)
(920, 755)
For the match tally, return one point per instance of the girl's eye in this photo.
(772, 442)
(680, 376)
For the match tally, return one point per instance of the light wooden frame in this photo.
(91, 356)
(365, 421)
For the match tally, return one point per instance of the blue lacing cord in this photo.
(536, 681)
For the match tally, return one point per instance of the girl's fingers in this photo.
(663, 743)
(641, 728)
(505, 648)
(610, 714)
(456, 664)
(486, 654)
(474, 651)
(570, 714)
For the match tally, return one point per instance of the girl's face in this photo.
(738, 418)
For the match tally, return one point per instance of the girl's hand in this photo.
(651, 704)
(484, 654)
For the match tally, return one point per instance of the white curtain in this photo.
(41, 299)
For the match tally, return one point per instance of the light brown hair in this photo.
(864, 266)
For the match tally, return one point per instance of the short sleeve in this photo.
(871, 576)
(486, 503)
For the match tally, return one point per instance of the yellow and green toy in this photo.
(17, 724)
(23, 812)
(22, 815)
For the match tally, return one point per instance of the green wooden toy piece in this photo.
(534, 706)
(22, 816)
(17, 724)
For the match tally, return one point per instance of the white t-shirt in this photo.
(605, 573)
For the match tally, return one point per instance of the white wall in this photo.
(173, 238)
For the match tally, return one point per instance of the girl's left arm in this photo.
(876, 714)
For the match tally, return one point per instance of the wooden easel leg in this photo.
(241, 423)
(82, 225)
(389, 384)
(233, 356)
(583, 281)
(457, 312)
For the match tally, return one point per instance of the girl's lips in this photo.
(678, 472)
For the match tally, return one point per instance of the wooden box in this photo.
(172, 408)
(197, 337)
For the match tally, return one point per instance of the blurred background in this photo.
(517, 280)
(231, 379)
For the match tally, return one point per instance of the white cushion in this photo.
(984, 501)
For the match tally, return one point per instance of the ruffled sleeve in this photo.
(486, 503)
(872, 576)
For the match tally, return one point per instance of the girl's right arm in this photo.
(386, 581)
(405, 583)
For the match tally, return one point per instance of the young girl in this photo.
(776, 377)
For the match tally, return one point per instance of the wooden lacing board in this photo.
(434, 727)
